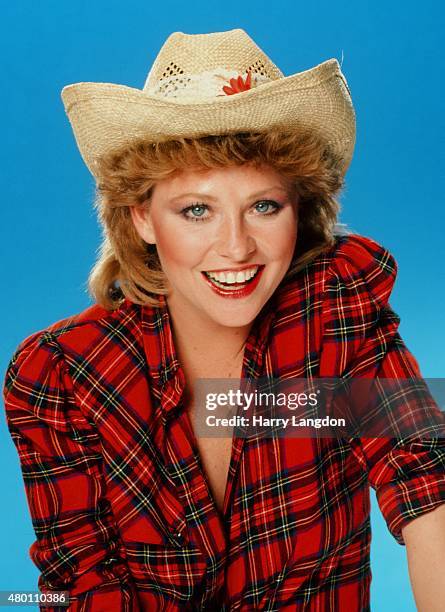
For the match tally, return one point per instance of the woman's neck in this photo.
(204, 348)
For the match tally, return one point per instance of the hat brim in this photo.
(107, 117)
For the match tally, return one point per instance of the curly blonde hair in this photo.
(129, 267)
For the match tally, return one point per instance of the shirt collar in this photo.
(162, 360)
(160, 350)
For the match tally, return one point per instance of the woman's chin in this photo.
(234, 316)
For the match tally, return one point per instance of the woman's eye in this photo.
(200, 212)
(267, 207)
(195, 212)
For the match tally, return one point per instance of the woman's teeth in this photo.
(223, 279)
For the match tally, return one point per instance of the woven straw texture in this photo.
(179, 99)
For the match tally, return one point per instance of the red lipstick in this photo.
(244, 290)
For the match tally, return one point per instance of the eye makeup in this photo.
(273, 208)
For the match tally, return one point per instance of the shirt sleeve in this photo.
(77, 546)
(361, 340)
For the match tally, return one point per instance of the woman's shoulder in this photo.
(361, 252)
(353, 265)
(74, 333)
(358, 264)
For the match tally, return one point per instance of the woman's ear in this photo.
(141, 218)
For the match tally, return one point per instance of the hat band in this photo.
(206, 85)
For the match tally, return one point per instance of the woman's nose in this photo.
(235, 239)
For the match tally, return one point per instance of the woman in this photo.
(216, 191)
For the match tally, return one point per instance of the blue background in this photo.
(393, 60)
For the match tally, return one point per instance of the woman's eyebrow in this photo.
(208, 196)
(193, 194)
(263, 192)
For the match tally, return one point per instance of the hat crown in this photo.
(193, 54)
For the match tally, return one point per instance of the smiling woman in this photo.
(213, 247)
(235, 235)
(221, 259)
(301, 168)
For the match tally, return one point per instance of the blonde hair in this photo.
(129, 267)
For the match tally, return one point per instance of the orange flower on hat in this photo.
(238, 85)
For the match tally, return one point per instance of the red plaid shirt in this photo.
(123, 514)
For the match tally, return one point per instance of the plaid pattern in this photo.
(122, 511)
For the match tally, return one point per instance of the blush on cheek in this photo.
(180, 245)
(178, 257)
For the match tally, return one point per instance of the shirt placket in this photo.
(206, 528)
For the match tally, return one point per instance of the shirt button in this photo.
(109, 561)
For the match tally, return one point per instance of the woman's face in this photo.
(225, 239)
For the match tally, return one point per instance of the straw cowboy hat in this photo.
(204, 84)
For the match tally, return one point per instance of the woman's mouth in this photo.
(234, 283)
